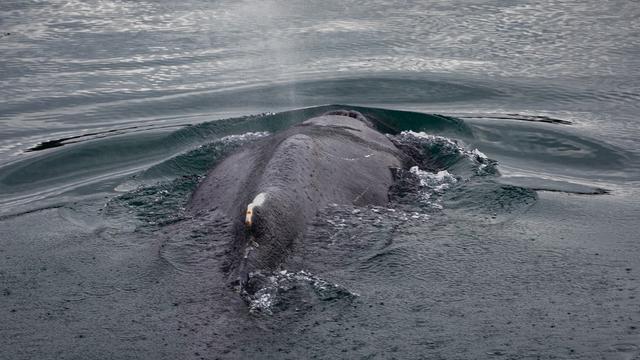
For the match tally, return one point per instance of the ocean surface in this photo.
(518, 238)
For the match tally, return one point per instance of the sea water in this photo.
(515, 235)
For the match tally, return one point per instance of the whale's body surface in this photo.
(271, 189)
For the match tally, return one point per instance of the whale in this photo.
(271, 189)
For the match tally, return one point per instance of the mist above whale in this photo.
(270, 190)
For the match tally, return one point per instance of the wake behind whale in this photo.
(270, 190)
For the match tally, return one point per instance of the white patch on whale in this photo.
(257, 201)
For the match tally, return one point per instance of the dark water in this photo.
(515, 238)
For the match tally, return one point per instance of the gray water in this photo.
(112, 111)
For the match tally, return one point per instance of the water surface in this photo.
(112, 111)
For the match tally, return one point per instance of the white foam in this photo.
(433, 184)
(438, 182)
(431, 138)
(481, 161)
(479, 154)
(280, 281)
(244, 137)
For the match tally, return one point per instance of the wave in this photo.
(142, 155)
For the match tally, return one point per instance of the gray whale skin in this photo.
(271, 189)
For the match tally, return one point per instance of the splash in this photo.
(432, 184)
(268, 292)
(436, 153)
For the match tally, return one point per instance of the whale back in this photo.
(294, 174)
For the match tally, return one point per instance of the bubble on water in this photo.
(435, 153)
(267, 290)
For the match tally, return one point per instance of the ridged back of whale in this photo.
(278, 184)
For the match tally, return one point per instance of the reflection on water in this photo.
(71, 64)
